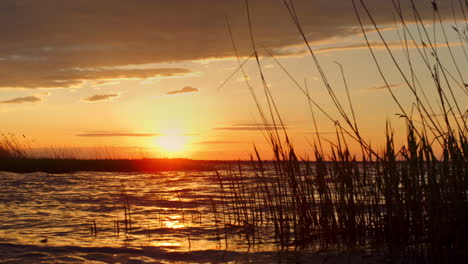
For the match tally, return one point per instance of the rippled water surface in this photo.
(80, 218)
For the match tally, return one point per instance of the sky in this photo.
(154, 78)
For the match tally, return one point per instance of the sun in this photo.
(171, 144)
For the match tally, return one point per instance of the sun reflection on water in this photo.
(166, 244)
(174, 222)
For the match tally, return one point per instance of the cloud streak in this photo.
(301, 50)
(115, 134)
(382, 87)
(186, 89)
(248, 127)
(22, 100)
(50, 77)
(217, 142)
(323, 133)
(100, 97)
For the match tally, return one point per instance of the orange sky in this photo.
(143, 78)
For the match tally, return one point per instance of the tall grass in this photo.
(14, 147)
(409, 201)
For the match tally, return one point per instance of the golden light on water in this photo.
(166, 244)
(174, 222)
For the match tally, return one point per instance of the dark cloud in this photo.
(115, 134)
(21, 100)
(382, 87)
(48, 43)
(100, 97)
(186, 89)
(248, 127)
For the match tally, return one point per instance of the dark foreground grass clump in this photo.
(413, 204)
(408, 202)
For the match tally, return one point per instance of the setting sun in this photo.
(170, 144)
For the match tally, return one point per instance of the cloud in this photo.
(186, 89)
(114, 134)
(100, 97)
(49, 77)
(323, 133)
(300, 50)
(382, 87)
(103, 83)
(464, 115)
(21, 100)
(248, 127)
(67, 43)
(217, 142)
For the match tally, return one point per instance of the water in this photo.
(80, 218)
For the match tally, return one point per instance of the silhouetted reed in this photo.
(93, 229)
(14, 147)
(126, 207)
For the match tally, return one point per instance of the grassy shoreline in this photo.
(52, 165)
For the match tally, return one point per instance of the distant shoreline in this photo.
(52, 165)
